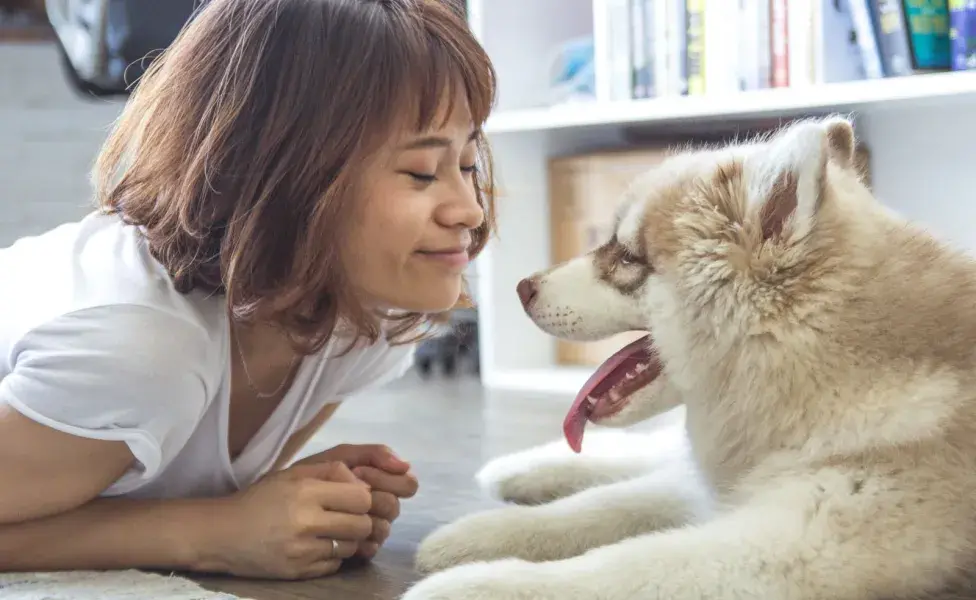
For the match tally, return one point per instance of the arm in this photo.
(60, 524)
(301, 437)
(80, 408)
(115, 534)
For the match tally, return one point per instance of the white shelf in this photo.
(855, 95)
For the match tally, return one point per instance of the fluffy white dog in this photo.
(823, 352)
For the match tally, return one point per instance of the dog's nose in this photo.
(527, 291)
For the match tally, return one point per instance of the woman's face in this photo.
(408, 249)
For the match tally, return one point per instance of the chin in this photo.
(432, 300)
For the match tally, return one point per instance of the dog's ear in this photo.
(791, 170)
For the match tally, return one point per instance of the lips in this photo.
(445, 251)
(453, 259)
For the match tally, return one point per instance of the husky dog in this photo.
(822, 350)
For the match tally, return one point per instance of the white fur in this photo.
(557, 306)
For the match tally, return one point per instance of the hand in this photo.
(388, 476)
(284, 525)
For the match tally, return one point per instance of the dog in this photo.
(820, 349)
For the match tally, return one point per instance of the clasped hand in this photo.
(305, 520)
(388, 477)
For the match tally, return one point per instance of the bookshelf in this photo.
(920, 129)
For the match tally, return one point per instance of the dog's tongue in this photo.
(597, 386)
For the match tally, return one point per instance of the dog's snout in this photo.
(527, 291)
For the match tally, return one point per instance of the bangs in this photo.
(438, 63)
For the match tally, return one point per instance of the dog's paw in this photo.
(516, 480)
(478, 537)
(543, 474)
(501, 580)
(509, 532)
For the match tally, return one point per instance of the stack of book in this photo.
(660, 48)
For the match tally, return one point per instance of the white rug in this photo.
(98, 585)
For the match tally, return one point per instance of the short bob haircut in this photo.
(236, 153)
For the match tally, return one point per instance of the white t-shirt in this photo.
(96, 342)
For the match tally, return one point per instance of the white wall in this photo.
(925, 167)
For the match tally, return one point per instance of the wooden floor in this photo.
(447, 429)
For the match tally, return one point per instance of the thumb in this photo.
(371, 455)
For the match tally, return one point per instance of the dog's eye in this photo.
(627, 259)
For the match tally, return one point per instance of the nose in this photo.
(527, 291)
(460, 209)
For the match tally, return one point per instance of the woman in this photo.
(290, 195)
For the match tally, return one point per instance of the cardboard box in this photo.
(584, 191)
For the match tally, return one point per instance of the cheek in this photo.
(390, 230)
(659, 301)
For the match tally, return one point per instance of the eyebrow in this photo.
(434, 141)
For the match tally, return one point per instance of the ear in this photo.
(791, 170)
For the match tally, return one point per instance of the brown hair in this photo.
(234, 153)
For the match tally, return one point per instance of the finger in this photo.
(385, 505)
(324, 550)
(342, 526)
(402, 486)
(353, 498)
(334, 471)
(372, 455)
(367, 550)
(381, 530)
(321, 568)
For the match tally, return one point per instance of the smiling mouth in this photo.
(455, 257)
(608, 390)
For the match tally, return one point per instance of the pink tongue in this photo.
(575, 421)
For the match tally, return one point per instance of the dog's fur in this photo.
(822, 350)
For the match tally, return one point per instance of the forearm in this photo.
(300, 438)
(118, 534)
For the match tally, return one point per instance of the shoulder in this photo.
(96, 277)
(127, 372)
(128, 336)
(122, 358)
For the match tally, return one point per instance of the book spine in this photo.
(867, 41)
(927, 22)
(748, 24)
(779, 36)
(695, 46)
(621, 74)
(676, 35)
(962, 34)
(893, 43)
(764, 43)
(800, 31)
(640, 71)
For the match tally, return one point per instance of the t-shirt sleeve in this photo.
(122, 373)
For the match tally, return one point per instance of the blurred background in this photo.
(591, 92)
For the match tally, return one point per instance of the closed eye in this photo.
(421, 177)
(431, 178)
